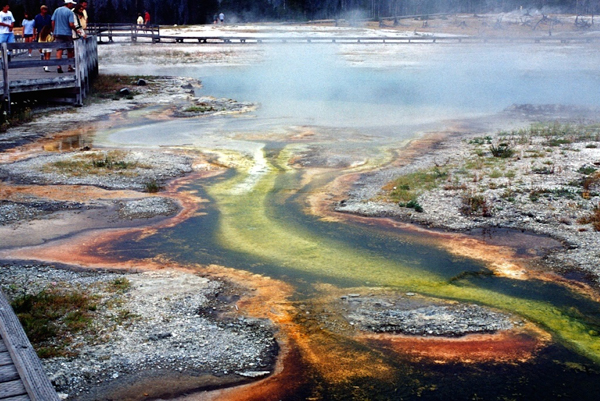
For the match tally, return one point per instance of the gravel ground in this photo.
(422, 317)
(149, 167)
(537, 190)
(161, 321)
(147, 207)
(14, 212)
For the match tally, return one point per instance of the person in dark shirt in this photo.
(41, 20)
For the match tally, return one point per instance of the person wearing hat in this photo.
(63, 25)
(41, 20)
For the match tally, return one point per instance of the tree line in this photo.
(185, 12)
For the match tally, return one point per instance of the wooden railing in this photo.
(132, 32)
(24, 74)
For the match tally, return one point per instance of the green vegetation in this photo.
(200, 108)
(96, 163)
(53, 314)
(481, 140)
(503, 150)
(475, 205)
(21, 114)
(412, 204)
(120, 284)
(152, 186)
(408, 187)
(587, 170)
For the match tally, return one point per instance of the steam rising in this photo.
(414, 84)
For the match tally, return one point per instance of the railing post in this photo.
(79, 50)
(5, 83)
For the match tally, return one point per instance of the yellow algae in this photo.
(247, 225)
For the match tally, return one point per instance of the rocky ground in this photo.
(137, 326)
(135, 170)
(550, 185)
(415, 315)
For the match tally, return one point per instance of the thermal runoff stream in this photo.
(318, 122)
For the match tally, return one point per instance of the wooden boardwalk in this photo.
(22, 376)
(24, 75)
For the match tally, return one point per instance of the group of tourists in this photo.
(66, 24)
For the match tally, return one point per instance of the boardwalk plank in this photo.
(23, 397)
(11, 389)
(5, 358)
(27, 363)
(8, 373)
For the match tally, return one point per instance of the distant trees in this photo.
(202, 11)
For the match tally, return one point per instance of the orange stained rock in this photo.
(505, 347)
(331, 355)
(93, 248)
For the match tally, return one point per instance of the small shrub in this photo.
(496, 173)
(543, 170)
(120, 284)
(152, 186)
(587, 170)
(534, 196)
(475, 205)
(202, 108)
(503, 150)
(590, 181)
(593, 218)
(481, 140)
(591, 146)
(412, 204)
(557, 142)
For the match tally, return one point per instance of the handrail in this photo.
(134, 31)
(85, 62)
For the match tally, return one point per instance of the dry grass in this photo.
(407, 188)
(94, 163)
(593, 218)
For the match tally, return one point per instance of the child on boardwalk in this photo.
(46, 37)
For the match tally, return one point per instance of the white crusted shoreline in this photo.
(537, 190)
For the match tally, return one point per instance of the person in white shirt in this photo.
(7, 23)
(28, 28)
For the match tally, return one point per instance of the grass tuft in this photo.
(593, 218)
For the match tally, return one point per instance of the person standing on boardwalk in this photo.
(222, 18)
(83, 18)
(146, 18)
(41, 20)
(79, 22)
(63, 25)
(28, 25)
(45, 36)
(7, 23)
